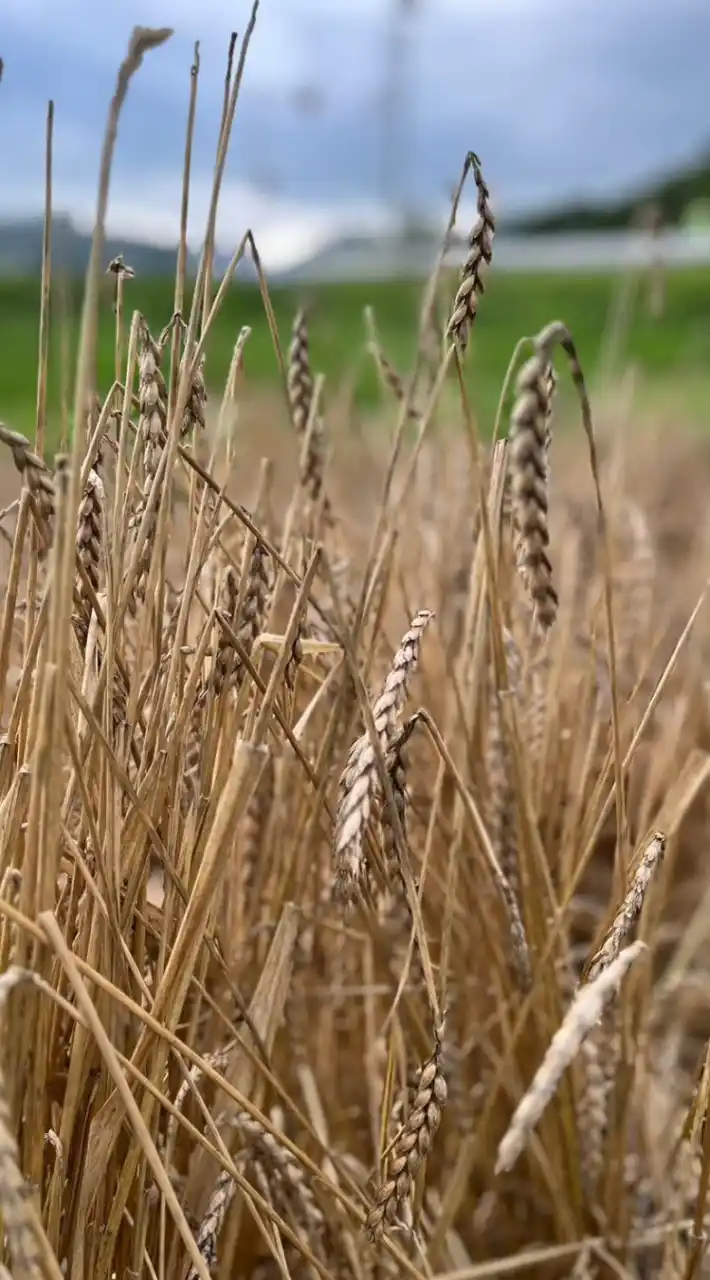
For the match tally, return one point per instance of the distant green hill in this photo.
(673, 196)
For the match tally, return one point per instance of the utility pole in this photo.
(396, 126)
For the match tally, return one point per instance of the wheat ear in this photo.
(528, 471)
(631, 907)
(529, 442)
(412, 1144)
(471, 287)
(193, 419)
(358, 782)
(36, 475)
(300, 377)
(152, 398)
(581, 1018)
(211, 1226)
(88, 547)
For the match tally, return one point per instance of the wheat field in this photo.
(353, 810)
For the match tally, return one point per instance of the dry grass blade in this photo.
(580, 1020)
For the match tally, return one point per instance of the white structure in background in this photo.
(372, 257)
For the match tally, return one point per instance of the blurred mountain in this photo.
(21, 251)
(675, 198)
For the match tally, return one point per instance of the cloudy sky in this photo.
(560, 98)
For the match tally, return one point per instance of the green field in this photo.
(673, 353)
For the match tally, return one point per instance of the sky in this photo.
(561, 99)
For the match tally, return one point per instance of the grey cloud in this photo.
(560, 100)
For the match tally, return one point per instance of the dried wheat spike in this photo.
(225, 656)
(34, 472)
(392, 378)
(299, 383)
(412, 1145)
(314, 465)
(581, 1018)
(254, 825)
(211, 1226)
(152, 394)
(556, 334)
(358, 782)
(249, 626)
(300, 378)
(88, 546)
(519, 949)
(600, 1055)
(15, 1198)
(480, 241)
(218, 1061)
(400, 914)
(528, 472)
(528, 459)
(281, 1165)
(396, 764)
(193, 419)
(631, 907)
(193, 749)
(501, 786)
(295, 659)
(256, 599)
(405, 1101)
(152, 434)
